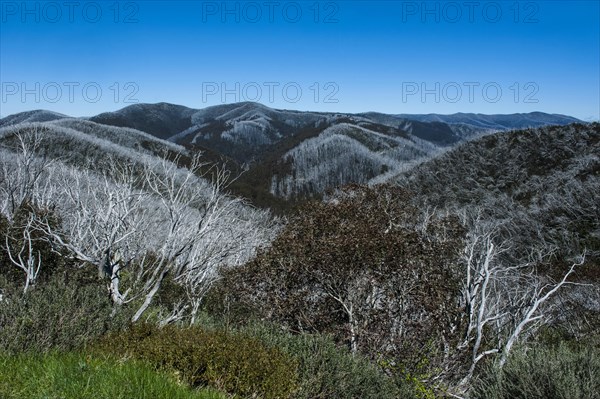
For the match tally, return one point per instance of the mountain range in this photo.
(285, 155)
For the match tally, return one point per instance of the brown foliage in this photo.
(364, 266)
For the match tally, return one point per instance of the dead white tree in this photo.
(532, 313)
(195, 237)
(21, 252)
(503, 302)
(143, 219)
(21, 167)
(102, 219)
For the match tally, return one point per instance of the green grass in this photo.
(77, 376)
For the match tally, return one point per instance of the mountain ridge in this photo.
(285, 155)
(216, 112)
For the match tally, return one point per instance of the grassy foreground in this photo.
(77, 376)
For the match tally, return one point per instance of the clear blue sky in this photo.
(86, 57)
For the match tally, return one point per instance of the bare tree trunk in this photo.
(353, 332)
(150, 295)
(508, 296)
(25, 259)
(529, 314)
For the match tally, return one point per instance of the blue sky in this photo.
(85, 57)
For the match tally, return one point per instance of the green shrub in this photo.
(561, 372)
(76, 376)
(62, 314)
(231, 362)
(328, 371)
(325, 369)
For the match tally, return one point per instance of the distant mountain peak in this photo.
(37, 115)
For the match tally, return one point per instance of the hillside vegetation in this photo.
(489, 247)
(470, 274)
(283, 157)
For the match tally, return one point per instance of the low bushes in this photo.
(63, 313)
(328, 371)
(561, 372)
(235, 363)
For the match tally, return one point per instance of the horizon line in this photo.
(588, 119)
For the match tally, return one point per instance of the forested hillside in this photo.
(538, 186)
(283, 157)
(93, 193)
(489, 247)
(441, 281)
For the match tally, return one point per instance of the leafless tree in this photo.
(22, 168)
(22, 254)
(102, 217)
(503, 301)
(192, 238)
(144, 219)
(149, 221)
